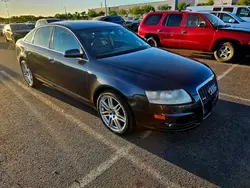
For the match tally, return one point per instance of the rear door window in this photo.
(42, 36)
(228, 9)
(194, 21)
(153, 19)
(173, 20)
(217, 9)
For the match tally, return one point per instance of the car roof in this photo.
(75, 25)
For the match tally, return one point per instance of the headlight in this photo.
(169, 97)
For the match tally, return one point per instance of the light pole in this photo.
(6, 7)
(106, 9)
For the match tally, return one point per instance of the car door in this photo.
(170, 31)
(197, 34)
(67, 73)
(37, 55)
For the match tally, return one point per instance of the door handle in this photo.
(183, 31)
(159, 30)
(51, 61)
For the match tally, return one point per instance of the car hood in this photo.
(155, 69)
(236, 29)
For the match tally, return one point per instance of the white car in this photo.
(232, 20)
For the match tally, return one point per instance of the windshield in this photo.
(237, 17)
(17, 27)
(111, 41)
(214, 20)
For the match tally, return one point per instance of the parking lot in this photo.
(50, 140)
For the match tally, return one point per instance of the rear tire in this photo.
(28, 75)
(115, 112)
(225, 52)
(154, 42)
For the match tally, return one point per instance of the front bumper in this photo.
(177, 117)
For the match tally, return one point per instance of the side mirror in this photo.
(74, 53)
(231, 20)
(202, 25)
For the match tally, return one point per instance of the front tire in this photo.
(153, 41)
(28, 75)
(225, 52)
(115, 112)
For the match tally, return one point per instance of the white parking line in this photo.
(93, 174)
(149, 169)
(234, 97)
(146, 134)
(226, 72)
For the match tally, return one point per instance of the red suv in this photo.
(196, 31)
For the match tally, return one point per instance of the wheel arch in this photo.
(148, 35)
(217, 42)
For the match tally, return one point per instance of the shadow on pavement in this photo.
(217, 151)
(7, 46)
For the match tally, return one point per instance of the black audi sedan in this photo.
(111, 69)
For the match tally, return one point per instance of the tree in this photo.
(209, 2)
(112, 13)
(147, 8)
(164, 7)
(136, 11)
(76, 16)
(182, 6)
(101, 13)
(84, 15)
(123, 12)
(243, 2)
(92, 14)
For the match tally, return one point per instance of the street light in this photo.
(6, 7)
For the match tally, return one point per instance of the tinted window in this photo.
(243, 12)
(173, 20)
(53, 20)
(106, 19)
(216, 9)
(16, 27)
(63, 40)
(42, 36)
(194, 21)
(115, 19)
(153, 19)
(111, 41)
(29, 36)
(225, 18)
(228, 9)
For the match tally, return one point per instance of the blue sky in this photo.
(50, 7)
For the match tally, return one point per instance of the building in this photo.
(172, 3)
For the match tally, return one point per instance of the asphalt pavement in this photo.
(48, 139)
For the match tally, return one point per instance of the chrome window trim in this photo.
(48, 48)
(200, 86)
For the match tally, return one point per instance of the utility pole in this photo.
(65, 9)
(106, 8)
(101, 4)
(6, 7)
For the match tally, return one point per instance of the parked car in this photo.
(46, 21)
(113, 70)
(114, 19)
(197, 31)
(1, 29)
(231, 19)
(133, 25)
(240, 11)
(14, 31)
(30, 25)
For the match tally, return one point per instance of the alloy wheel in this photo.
(113, 114)
(27, 74)
(224, 52)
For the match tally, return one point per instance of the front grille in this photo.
(208, 95)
